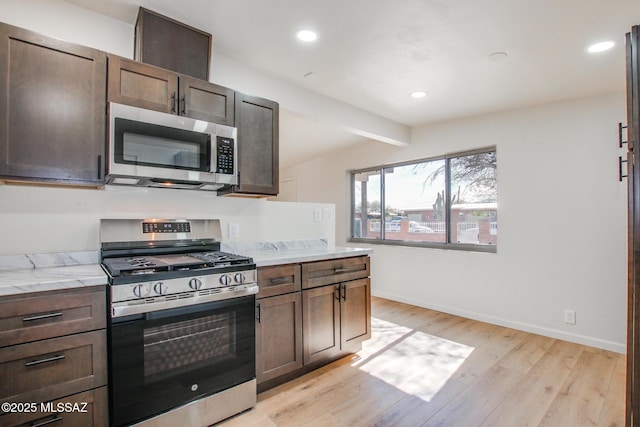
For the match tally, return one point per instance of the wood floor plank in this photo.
(488, 354)
(424, 367)
(581, 397)
(529, 401)
(414, 411)
(524, 356)
(612, 414)
(478, 400)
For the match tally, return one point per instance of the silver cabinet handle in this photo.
(47, 360)
(41, 316)
(44, 423)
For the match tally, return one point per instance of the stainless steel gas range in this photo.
(181, 332)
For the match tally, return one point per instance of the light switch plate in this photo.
(327, 214)
(234, 230)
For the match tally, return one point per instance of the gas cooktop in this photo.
(150, 264)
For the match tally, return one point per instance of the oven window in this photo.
(147, 144)
(183, 346)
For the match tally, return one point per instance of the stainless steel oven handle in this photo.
(120, 309)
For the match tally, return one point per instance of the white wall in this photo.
(43, 219)
(561, 213)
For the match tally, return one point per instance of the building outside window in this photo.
(448, 202)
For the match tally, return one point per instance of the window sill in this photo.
(430, 245)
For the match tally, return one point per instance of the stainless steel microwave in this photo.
(153, 149)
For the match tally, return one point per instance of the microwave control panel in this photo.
(225, 155)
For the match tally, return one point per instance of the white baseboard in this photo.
(526, 327)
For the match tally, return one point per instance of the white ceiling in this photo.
(373, 53)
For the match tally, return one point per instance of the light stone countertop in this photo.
(288, 252)
(27, 273)
(20, 274)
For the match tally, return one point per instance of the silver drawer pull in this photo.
(47, 360)
(41, 316)
(279, 280)
(44, 423)
(340, 270)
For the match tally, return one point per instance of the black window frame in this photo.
(382, 240)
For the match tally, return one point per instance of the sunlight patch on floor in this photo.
(412, 361)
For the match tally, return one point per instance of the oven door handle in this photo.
(196, 308)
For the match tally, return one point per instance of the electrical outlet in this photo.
(327, 214)
(570, 317)
(317, 215)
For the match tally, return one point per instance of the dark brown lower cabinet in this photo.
(53, 357)
(278, 336)
(308, 315)
(336, 319)
(355, 314)
(321, 323)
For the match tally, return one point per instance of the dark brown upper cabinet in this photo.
(257, 120)
(170, 44)
(52, 109)
(154, 88)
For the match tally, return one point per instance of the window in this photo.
(450, 201)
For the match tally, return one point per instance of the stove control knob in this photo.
(195, 284)
(240, 277)
(160, 288)
(141, 290)
(225, 280)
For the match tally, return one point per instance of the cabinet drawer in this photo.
(322, 273)
(86, 409)
(277, 280)
(44, 370)
(24, 319)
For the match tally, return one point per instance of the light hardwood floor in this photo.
(427, 368)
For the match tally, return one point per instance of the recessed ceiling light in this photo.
(601, 47)
(418, 94)
(498, 56)
(306, 35)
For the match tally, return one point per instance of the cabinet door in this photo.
(321, 323)
(206, 101)
(142, 85)
(355, 314)
(257, 121)
(173, 45)
(633, 172)
(278, 336)
(52, 109)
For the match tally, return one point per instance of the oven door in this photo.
(164, 359)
